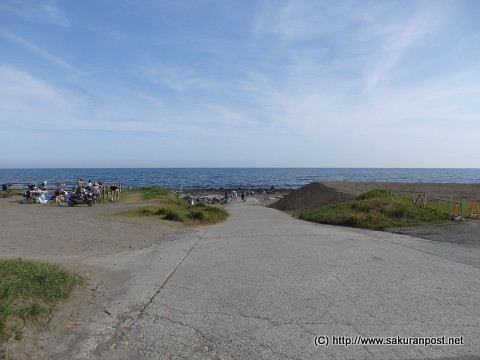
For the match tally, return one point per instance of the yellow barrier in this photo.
(419, 197)
(457, 212)
(474, 209)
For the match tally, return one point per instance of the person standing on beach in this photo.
(79, 191)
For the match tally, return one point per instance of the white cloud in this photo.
(346, 78)
(363, 81)
(27, 102)
(321, 105)
(397, 39)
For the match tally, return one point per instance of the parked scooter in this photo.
(85, 198)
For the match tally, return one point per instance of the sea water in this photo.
(253, 178)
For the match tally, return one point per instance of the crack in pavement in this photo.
(127, 320)
(195, 330)
(350, 297)
(284, 235)
(209, 342)
(171, 273)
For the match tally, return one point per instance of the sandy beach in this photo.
(442, 190)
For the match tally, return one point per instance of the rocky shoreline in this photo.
(218, 196)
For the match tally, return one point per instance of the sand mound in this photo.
(310, 197)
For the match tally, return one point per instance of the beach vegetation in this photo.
(378, 209)
(173, 216)
(29, 293)
(165, 205)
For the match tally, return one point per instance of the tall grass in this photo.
(377, 209)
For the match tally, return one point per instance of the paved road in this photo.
(264, 285)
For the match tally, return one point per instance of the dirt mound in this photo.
(310, 197)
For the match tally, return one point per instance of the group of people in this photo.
(89, 185)
(90, 189)
(233, 194)
(34, 186)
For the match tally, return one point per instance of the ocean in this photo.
(233, 178)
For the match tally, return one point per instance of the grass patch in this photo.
(167, 206)
(377, 209)
(173, 216)
(203, 214)
(151, 193)
(29, 291)
(13, 190)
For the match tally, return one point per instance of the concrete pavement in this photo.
(264, 285)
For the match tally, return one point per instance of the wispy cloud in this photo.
(55, 14)
(28, 102)
(331, 86)
(395, 42)
(44, 11)
(46, 55)
(303, 19)
(362, 78)
(31, 103)
(177, 78)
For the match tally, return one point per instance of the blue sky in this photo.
(245, 83)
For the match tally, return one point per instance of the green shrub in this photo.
(145, 212)
(161, 211)
(197, 215)
(173, 216)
